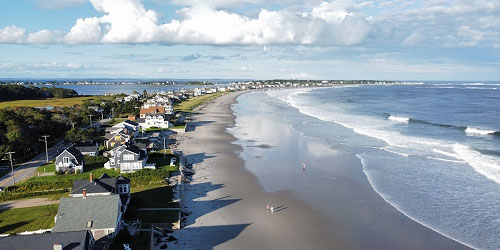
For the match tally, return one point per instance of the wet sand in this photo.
(228, 205)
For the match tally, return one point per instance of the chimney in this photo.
(91, 178)
(84, 193)
(58, 246)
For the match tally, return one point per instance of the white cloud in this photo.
(44, 37)
(338, 23)
(12, 34)
(86, 30)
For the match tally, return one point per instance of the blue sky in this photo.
(251, 39)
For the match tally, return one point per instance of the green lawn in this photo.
(158, 216)
(47, 168)
(151, 196)
(71, 177)
(53, 102)
(27, 219)
(191, 103)
(155, 129)
(115, 121)
(162, 161)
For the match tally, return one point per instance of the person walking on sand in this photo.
(272, 210)
(267, 207)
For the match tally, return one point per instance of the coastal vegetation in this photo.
(18, 92)
(190, 104)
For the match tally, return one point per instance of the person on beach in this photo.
(267, 207)
(272, 210)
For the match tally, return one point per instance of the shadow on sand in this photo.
(193, 125)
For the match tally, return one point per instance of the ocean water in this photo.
(432, 151)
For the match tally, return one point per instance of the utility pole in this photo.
(12, 166)
(90, 118)
(46, 148)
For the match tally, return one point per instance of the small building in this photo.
(127, 124)
(89, 150)
(100, 215)
(77, 240)
(128, 158)
(69, 160)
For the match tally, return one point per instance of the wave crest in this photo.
(399, 118)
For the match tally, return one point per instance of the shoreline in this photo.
(227, 203)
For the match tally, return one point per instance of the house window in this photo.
(123, 189)
(65, 159)
(128, 157)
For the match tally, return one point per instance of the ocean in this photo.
(431, 150)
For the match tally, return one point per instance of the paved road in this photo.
(28, 169)
(27, 203)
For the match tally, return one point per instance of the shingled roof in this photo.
(93, 212)
(70, 240)
(104, 184)
(76, 153)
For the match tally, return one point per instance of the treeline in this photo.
(21, 130)
(17, 92)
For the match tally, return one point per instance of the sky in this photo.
(445, 40)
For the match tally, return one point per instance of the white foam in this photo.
(394, 152)
(477, 131)
(446, 160)
(488, 166)
(399, 119)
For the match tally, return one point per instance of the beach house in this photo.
(69, 159)
(101, 215)
(128, 158)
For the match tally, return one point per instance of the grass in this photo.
(148, 197)
(158, 216)
(161, 162)
(53, 102)
(27, 219)
(115, 121)
(155, 129)
(97, 169)
(47, 168)
(190, 104)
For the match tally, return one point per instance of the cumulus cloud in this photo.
(338, 23)
(12, 34)
(44, 37)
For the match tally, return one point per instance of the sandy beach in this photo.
(227, 205)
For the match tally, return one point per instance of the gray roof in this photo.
(75, 213)
(131, 123)
(105, 184)
(93, 148)
(77, 154)
(122, 180)
(70, 240)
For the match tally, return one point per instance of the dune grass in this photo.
(190, 104)
(27, 219)
(51, 102)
